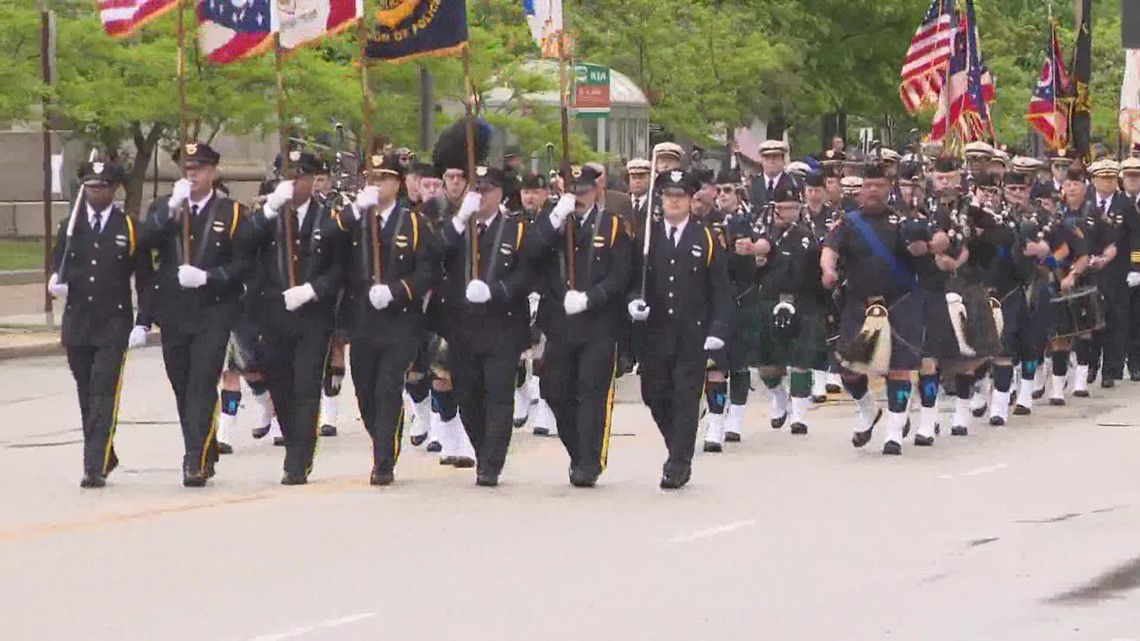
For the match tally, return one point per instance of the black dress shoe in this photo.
(819, 399)
(112, 464)
(1091, 378)
(1081, 393)
(923, 441)
(279, 441)
(1056, 402)
(674, 481)
(434, 447)
(92, 481)
(731, 437)
(381, 478)
(579, 478)
(980, 412)
(447, 460)
(959, 430)
(463, 462)
(417, 440)
(487, 480)
(859, 439)
(1021, 410)
(997, 421)
(225, 448)
(519, 422)
(1108, 383)
(710, 446)
(777, 423)
(328, 430)
(833, 389)
(1134, 377)
(260, 432)
(891, 448)
(799, 428)
(1038, 393)
(541, 431)
(294, 479)
(193, 479)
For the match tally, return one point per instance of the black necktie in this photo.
(637, 203)
(771, 188)
(672, 235)
(97, 224)
(481, 227)
(193, 210)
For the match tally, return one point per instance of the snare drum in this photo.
(1079, 312)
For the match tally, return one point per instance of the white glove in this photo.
(137, 337)
(179, 196)
(380, 296)
(471, 204)
(1133, 279)
(56, 288)
(712, 343)
(280, 196)
(638, 310)
(478, 292)
(562, 210)
(367, 198)
(575, 302)
(190, 277)
(299, 295)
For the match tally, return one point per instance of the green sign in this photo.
(591, 90)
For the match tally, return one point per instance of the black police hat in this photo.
(100, 172)
(786, 193)
(489, 177)
(678, 180)
(586, 177)
(512, 151)
(301, 163)
(531, 180)
(813, 180)
(198, 153)
(385, 165)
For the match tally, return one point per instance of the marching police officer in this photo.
(386, 299)
(683, 309)
(300, 272)
(581, 313)
(93, 264)
(486, 318)
(196, 296)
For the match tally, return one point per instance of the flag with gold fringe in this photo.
(406, 29)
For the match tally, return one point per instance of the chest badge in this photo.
(121, 240)
(219, 227)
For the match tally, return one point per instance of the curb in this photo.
(22, 277)
(55, 348)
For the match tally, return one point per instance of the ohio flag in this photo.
(304, 21)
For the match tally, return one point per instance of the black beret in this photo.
(1075, 173)
(198, 153)
(874, 170)
(945, 164)
(489, 177)
(107, 173)
(813, 180)
(1041, 190)
(985, 179)
(531, 180)
(730, 177)
(910, 171)
(677, 179)
(786, 193)
(704, 175)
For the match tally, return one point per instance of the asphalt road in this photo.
(1022, 532)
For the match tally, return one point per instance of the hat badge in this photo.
(97, 167)
(576, 172)
(481, 171)
(294, 156)
(377, 160)
(676, 176)
(192, 148)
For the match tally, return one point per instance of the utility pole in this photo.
(47, 67)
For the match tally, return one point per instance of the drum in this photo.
(1078, 312)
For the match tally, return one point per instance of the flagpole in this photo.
(1055, 143)
(945, 93)
(470, 86)
(366, 108)
(564, 104)
(186, 249)
(287, 216)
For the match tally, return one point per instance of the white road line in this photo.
(711, 532)
(322, 625)
(980, 470)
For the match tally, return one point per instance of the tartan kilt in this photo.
(805, 349)
(740, 350)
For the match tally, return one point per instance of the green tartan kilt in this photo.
(741, 352)
(805, 350)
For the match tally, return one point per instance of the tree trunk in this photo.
(135, 180)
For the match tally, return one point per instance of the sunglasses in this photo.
(1016, 188)
(726, 189)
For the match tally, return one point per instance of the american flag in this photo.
(924, 69)
(121, 18)
(1045, 111)
(230, 30)
(964, 103)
